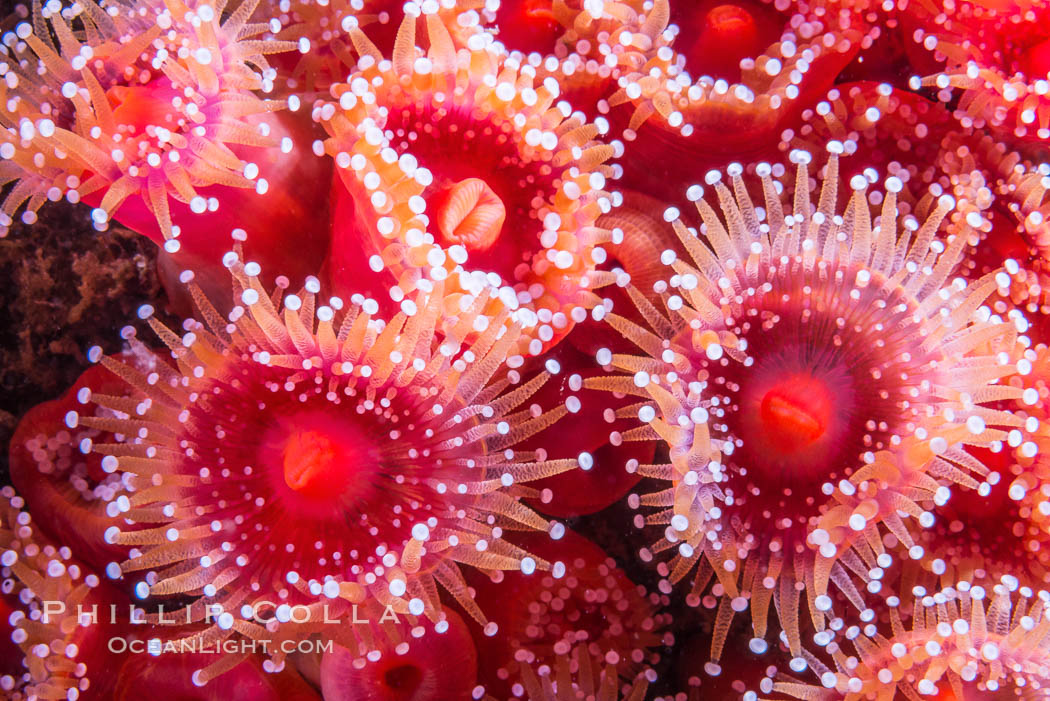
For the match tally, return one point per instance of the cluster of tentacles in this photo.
(556, 350)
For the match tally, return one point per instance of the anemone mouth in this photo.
(797, 349)
(403, 679)
(488, 151)
(797, 414)
(486, 194)
(793, 414)
(529, 26)
(999, 62)
(308, 471)
(148, 124)
(319, 450)
(1034, 61)
(824, 379)
(430, 666)
(325, 462)
(714, 36)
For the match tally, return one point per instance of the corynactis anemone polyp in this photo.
(150, 110)
(1024, 190)
(55, 472)
(974, 536)
(691, 87)
(970, 641)
(992, 523)
(1027, 477)
(591, 602)
(883, 130)
(797, 341)
(998, 55)
(443, 666)
(512, 183)
(58, 651)
(583, 45)
(301, 448)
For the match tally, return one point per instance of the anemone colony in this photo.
(540, 349)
